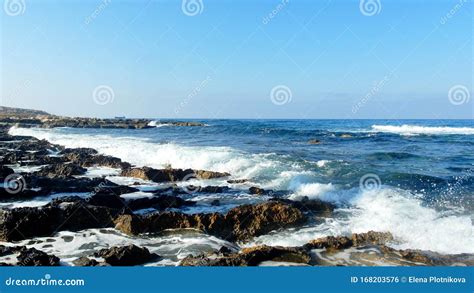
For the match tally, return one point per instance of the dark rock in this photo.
(34, 257)
(342, 242)
(215, 202)
(240, 223)
(126, 255)
(5, 171)
(61, 170)
(214, 189)
(252, 256)
(170, 175)
(21, 223)
(86, 262)
(237, 181)
(257, 190)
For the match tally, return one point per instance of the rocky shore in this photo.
(54, 169)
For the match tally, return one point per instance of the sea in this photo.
(413, 178)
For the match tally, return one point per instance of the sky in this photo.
(301, 59)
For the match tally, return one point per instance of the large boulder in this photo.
(240, 223)
(27, 222)
(130, 255)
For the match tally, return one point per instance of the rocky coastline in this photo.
(60, 170)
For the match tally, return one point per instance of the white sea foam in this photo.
(172, 246)
(413, 225)
(158, 124)
(269, 170)
(415, 130)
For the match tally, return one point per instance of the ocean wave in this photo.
(416, 130)
(413, 225)
(269, 170)
(158, 124)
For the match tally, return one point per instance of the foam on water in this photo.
(269, 170)
(415, 130)
(172, 246)
(413, 225)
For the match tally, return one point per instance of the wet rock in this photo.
(63, 184)
(257, 190)
(22, 223)
(7, 250)
(85, 262)
(252, 256)
(314, 141)
(87, 157)
(314, 207)
(160, 202)
(356, 240)
(240, 223)
(5, 171)
(215, 202)
(34, 257)
(126, 255)
(170, 175)
(214, 189)
(237, 181)
(61, 170)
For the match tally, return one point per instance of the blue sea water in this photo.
(413, 178)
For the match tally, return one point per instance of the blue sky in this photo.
(333, 60)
